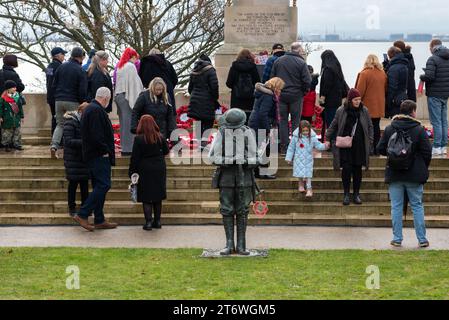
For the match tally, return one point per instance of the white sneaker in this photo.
(436, 151)
(443, 151)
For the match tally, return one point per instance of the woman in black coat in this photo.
(155, 65)
(154, 102)
(97, 77)
(77, 172)
(242, 78)
(352, 119)
(203, 90)
(265, 112)
(148, 161)
(397, 81)
(333, 87)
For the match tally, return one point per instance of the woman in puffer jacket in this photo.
(265, 112)
(77, 172)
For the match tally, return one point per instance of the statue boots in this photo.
(242, 221)
(228, 223)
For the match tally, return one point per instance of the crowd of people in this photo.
(283, 97)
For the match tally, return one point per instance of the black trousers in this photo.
(356, 173)
(53, 117)
(71, 192)
(376, 125)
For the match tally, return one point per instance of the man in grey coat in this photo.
(294, 71)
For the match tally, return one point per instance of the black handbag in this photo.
(216, 178)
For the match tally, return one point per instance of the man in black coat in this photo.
(98, 151)
(156, 65)
(397, 81)
(411, 181)
(58, 56)
(70, 90)
(436, 78)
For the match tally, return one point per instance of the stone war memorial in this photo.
(255, 25)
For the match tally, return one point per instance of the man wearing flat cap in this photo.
(58, 57)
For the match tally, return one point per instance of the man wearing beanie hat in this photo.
(10, 62)
(235, 176)
(70, 90)
(277, 52)
(351, 120)
(11, 115)
(58, 57)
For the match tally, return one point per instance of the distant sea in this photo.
(352, 56)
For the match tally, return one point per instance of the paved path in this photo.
(308, 238)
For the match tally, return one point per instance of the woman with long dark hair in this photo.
(333, 87)
(148, 161)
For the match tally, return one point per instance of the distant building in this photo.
(419, 37)
(332, 37)
(314, 37)
(397, 36)
(442, 37)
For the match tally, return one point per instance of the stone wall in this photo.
(37, 112)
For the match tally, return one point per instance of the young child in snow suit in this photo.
(11, 115)
(300, 153)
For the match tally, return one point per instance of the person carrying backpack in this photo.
(242, 79)
(408, 151)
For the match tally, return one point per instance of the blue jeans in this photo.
(100, 172)
(415, 194)
(438, 118)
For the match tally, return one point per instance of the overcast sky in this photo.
(350, 16)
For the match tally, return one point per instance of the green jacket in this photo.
(11, 119)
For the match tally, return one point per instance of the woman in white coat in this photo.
(128, 87)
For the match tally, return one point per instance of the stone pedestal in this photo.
(255, 25)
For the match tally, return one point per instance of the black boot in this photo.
(242, 221)
(147, 210)
(356, 198)
(228, 223)
(157, 215)
(346, 199)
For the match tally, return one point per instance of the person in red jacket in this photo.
(308, 109)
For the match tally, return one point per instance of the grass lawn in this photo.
(40, 273)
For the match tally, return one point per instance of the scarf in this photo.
(12, 103)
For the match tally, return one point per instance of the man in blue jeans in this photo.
(409, 181)
(98, 151)
(436, 78)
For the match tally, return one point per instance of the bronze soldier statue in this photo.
(234, 151)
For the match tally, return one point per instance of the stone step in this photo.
(178, 195)
(196, 171)
(211, 207)
(43, 159)
(216, 219)
(35, 141)
(200, 184)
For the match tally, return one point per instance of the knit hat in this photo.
(9, 84)
(10, 60)
(352, 94)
